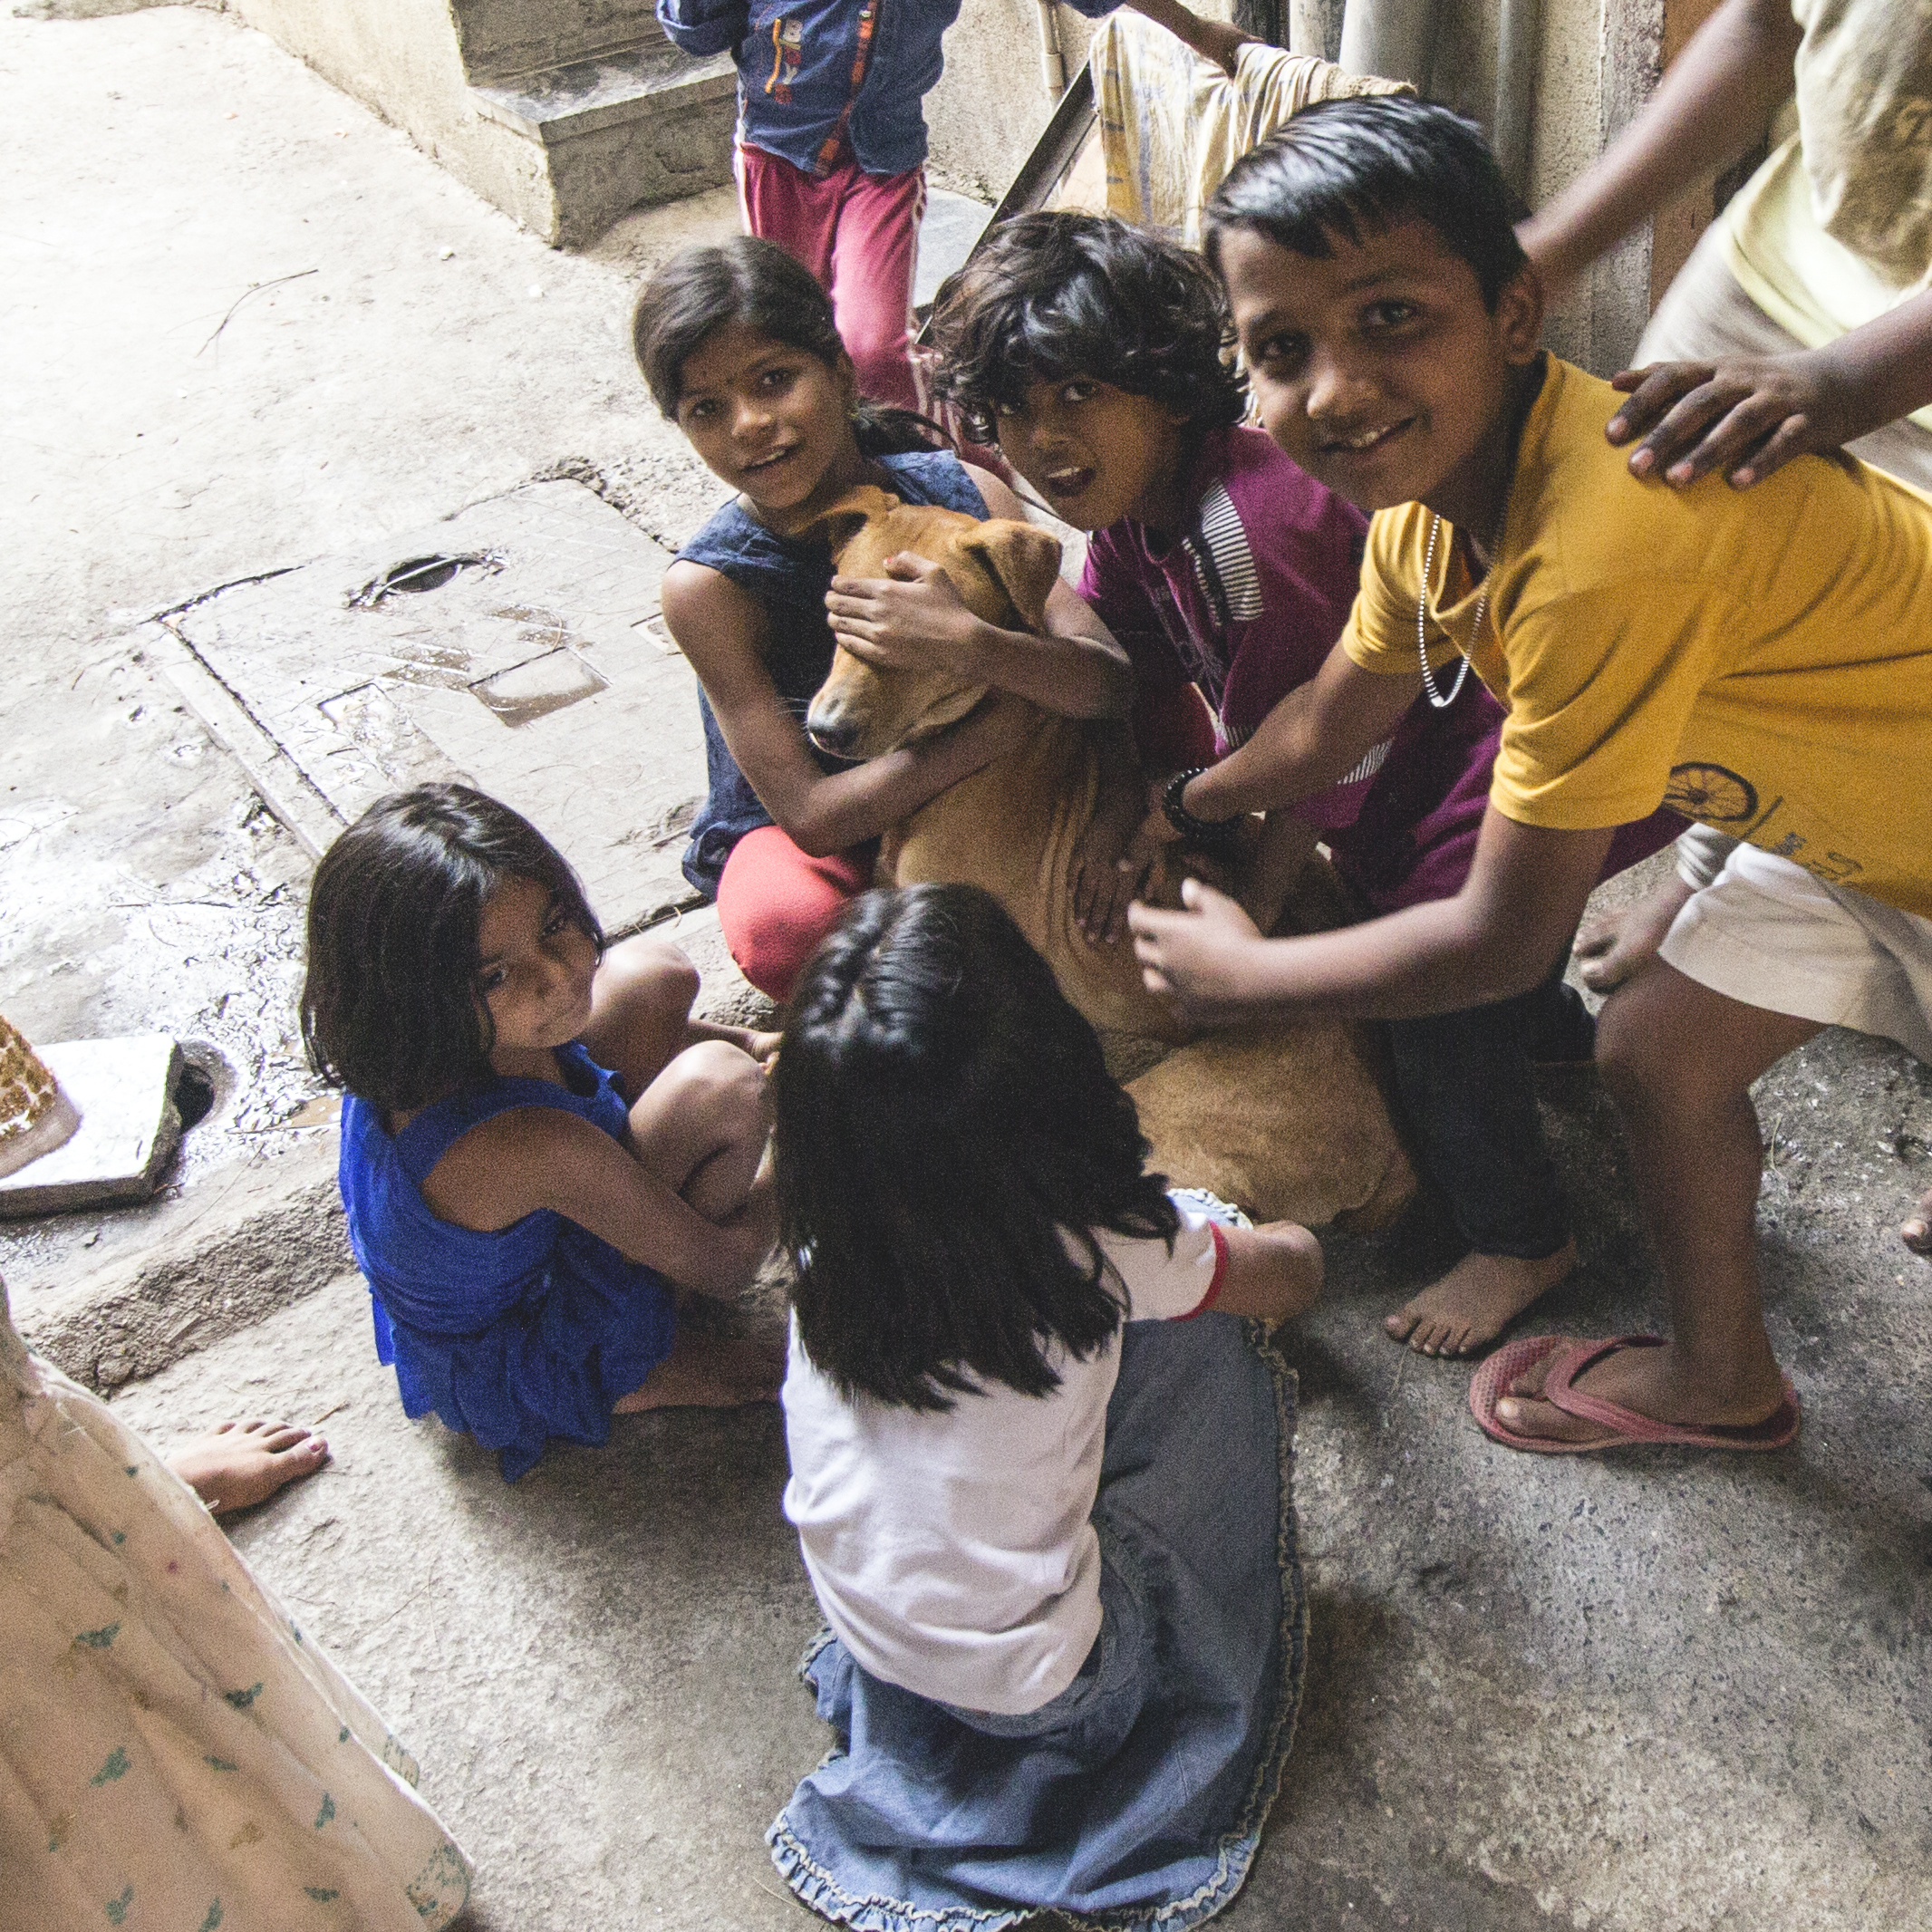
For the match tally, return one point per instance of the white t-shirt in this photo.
(1835, 229)
(952, 1551)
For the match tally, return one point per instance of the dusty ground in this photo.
(1663, 1691)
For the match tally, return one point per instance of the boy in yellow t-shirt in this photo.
(1763, 662)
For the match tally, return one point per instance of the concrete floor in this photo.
(1657, 1692)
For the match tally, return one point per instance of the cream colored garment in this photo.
(1173, 124)
(1836, 227)
(172, 1753)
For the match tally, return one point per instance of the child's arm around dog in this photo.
(722, 629)
(1495, 938)
(1076, 669)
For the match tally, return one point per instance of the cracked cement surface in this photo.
(1643, 1690)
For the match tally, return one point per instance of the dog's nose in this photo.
(833, 734)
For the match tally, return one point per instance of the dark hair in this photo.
(946, 1138)
(756, 284)
(389, 1008)
(1345, 167)
(1046, 297)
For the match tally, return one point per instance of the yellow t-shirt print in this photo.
(1759, 660)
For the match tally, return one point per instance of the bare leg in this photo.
(242, 1463)
(702, 1126)
(704, 1372)
(1680, 1061)
(640, 1010)
(1613, 945)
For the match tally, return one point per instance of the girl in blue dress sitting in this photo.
(540, 1148)
(1040, 1473)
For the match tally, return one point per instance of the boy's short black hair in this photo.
(946, 1138)
(390, 1008)
(1048, 297)
(1349, 167)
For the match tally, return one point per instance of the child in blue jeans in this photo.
(1039, 1473)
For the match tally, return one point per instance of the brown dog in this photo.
(1288, 1120)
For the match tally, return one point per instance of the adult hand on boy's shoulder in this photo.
(1746, 415)
(1221, 42)
(1203, 961)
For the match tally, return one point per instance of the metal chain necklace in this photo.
(1436, 700)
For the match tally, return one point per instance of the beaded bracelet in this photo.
(1216, 834)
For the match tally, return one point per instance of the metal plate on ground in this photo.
(518, 646)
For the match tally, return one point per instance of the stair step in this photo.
(586, 96)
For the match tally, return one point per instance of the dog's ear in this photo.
(1024, 561)
(836, 525)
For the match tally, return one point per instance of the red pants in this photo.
(859, 233)
(775, 903)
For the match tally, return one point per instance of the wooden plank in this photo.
(1055, 150)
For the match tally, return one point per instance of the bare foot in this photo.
(1916, 1230)
(1471, 1305)
(242, 1463)
(702, 1372)
(1613, 946)
(1646, 1380)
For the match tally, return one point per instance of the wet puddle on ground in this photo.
(518, 646)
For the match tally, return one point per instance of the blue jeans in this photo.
(1468, 1089)
(1140, 1791)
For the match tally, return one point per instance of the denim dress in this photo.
(1137, 1796)
(535, 1331)
(790, 580)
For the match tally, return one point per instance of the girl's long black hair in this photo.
(390, 1008)
(755, 283)
(947, 1139)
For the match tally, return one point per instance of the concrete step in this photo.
(621, 130)
(503, 40)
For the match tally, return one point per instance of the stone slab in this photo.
(586, 96)
(273, 1233)
(518, 646)
(124, 1090)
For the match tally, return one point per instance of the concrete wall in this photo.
(502, 39)
(401, 58)
(1596, 62)
(412, 61)
(992, 103)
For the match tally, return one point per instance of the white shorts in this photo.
(1768, 934)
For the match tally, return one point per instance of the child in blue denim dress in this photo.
(1039, 1473)
(537, 1141)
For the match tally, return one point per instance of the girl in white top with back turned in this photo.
(1039, 1473)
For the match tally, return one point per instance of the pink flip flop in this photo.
(1568, 1360)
